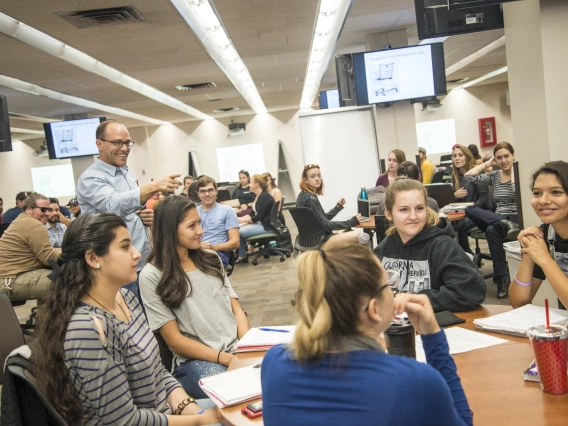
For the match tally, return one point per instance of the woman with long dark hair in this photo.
(244, 194)
(188, 297)
(545, 248)
(336, 373)
(99, 362)
(395, 157)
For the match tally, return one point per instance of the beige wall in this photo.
(466, 106)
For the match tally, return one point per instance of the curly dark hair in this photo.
(175, 285)
(88, 233)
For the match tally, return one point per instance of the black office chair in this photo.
(11, 336)
(381, 226)
(231, 263)
(3, 227)
(166, 354)
(443, 193)
(438, 177)
(275, 234)
(223, 195)
(310, 231)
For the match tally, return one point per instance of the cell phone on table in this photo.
(253, 410)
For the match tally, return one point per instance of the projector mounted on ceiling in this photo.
(236, 129)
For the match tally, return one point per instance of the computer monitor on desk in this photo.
(364, 207)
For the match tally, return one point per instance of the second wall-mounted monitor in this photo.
(73, 138)
(406, 73)
(329, 99)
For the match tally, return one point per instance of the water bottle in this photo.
(364, 194)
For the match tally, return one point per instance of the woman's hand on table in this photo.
(419, 311)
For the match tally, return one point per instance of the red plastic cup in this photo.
(551, 355)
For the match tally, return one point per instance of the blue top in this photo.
(103, 188)
(216, 222)
(56, 234)
(364, 387)
(11, 214)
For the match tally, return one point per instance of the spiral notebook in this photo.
(263, 338)
(233, 387)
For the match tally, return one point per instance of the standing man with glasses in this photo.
(220, 223)
(107, 186)
(25, 251)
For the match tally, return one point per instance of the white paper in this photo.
(258, 337)
(519, 320)
(233, 387)
(461, 340)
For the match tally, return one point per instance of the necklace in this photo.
(126, 316)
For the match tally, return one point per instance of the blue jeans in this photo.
(189, 372)
(488, 222)
(463, 226)
(248, 231)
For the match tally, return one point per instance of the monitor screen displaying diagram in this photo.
(74, 138)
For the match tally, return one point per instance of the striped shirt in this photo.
(503, 192)
(119, 381)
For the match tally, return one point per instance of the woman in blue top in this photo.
(336, 373)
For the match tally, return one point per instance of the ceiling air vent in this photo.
(103, 17)
(215, 100)
(196, 86)
(226, 109)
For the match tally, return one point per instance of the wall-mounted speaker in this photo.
(5, 135)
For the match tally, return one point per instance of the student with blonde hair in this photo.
(258, 221)
(336, 373)
(422, 249)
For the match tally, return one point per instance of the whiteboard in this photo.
(436, 136)
(242, 157)
(54, 181)
(344, 143)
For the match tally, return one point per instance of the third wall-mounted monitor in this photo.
(329, 99)
(406, 73)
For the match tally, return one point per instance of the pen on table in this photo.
(274, 329)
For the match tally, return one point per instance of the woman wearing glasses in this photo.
(311, 184)
(422, 248)
(188, 297)
(336, 372)
(244, 194)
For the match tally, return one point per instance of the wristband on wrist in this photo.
(182, 405)
(522, 283)
(218, 355)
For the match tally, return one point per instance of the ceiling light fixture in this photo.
(206, 23)
(329, 22)
(28, 87)
(476, 55)
(26, 131)
(432, 40)
(32, 118)
(484, 77)
(42, 41)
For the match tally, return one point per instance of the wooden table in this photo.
(491, 377)
(367, 225)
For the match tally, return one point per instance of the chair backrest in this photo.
(11, 336)
(3, 227)
(223, 195)
(230, 188)
(310, 231)
(274, 217)
(443, 193)
(166, 354)
(438, 177)
(381, 226)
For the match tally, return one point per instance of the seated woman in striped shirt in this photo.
(501, 225)
(100, 363)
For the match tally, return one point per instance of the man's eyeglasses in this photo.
(120, 144)
(43, 209)
(392, 282)
(206, 191)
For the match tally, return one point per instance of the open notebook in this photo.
(518, 321)
(233, 387)
(263, 338)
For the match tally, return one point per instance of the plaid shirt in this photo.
(56, 234)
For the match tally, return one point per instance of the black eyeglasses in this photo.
(119, 144)
(43, 209)
(206, 191)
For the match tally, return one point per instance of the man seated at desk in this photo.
(25, 250)
(220, 223)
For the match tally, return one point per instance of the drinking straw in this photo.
(547, 316)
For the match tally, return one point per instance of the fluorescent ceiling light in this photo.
(32, 118)
(27, 87)
(329, 22)
(205, 22)
(433, 40)
(475, 56)
(484, 77)
(42, 41)
(27, 131)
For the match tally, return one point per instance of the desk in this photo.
(491, 377)
(370, 224)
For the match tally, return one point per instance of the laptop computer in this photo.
(364, 208)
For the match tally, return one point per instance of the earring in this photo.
(98, 266)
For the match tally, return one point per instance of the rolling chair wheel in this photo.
(266, 256)
(282, 259)
(288, 255)
(255, 262)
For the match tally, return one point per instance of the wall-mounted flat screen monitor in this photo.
(74, 138)
(329, 99)
(406, 73)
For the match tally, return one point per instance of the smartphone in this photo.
(252, 410)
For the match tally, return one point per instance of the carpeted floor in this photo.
(265, 290)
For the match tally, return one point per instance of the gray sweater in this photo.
(310, 200)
